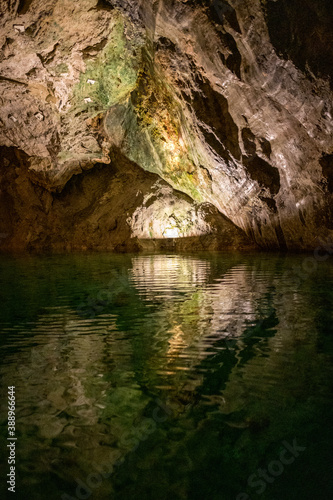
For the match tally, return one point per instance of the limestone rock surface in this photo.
(108, 208)
(229, 102)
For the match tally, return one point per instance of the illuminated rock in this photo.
(228, 102)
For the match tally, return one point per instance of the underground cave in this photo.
(166, 183)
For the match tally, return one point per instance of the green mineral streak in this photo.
(114, 73)
(65, 155)
(183, 181)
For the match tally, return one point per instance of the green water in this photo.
(168, 377)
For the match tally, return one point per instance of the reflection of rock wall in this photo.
(290, 360)
(87, 386)
(201, 308)
(257, 316)
(229, 102)
(79, 413)
(197, 305)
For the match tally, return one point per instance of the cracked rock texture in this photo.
(227, 102)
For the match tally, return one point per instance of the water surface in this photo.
(174, 377)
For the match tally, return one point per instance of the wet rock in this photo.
(229, 103)
(116, 207)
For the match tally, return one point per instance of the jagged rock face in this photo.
(228, 102)
(117, 208)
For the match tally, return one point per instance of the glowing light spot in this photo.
(171, 232)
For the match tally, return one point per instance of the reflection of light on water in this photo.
(163, 276)
(177, 342)
(196, 311)
(86, 383)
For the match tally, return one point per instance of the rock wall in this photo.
(227, 102)
(116, 207)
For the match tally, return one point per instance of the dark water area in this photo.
(168, 377)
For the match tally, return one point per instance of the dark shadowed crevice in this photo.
(221, 12)
(259, 228)
(212, 109)
(280, 237)
(270, 202)
(206, 170)
(326, 162)
(93, 50)
(249, 141)
(24, 6)
(165, 43)
(262, 172)
(301, 30)
(104, 5)
(265, 147)
(234, 59)
(215, 144)
(301, 217)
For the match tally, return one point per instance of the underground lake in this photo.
(169, 376)
(166, 250)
